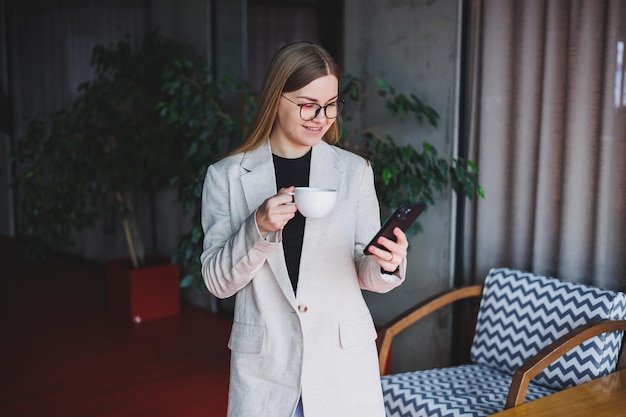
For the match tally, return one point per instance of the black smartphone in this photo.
(403, 217)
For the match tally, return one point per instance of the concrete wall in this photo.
(412, 45)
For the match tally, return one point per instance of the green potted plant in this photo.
(211, 115)
(403, 173)
(83, 164)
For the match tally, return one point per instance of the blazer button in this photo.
(302, 308)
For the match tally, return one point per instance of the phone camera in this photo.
(402, 215)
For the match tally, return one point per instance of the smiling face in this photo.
(292, 137)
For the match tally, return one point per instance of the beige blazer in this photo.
(321, 343)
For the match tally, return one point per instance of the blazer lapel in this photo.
(326, 172)
(259, 183)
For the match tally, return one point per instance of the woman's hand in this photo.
(392, 258)
(276, 211)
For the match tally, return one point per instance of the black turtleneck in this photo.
(293, 172)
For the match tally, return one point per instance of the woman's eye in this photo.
(308, 106)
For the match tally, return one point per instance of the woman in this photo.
(303, 340)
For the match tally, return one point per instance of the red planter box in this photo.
(141, 294)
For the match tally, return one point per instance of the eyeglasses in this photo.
(309, 111)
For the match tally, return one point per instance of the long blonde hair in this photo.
(293, 66)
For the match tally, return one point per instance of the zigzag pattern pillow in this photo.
(520, 313)
(461, 391)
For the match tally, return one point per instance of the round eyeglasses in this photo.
(309, 111)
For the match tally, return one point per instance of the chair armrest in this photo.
(532, 367)
(416, 313)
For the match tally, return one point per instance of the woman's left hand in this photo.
(390, 259)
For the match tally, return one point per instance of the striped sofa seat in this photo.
(519, 314)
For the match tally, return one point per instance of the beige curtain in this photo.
(548, 131)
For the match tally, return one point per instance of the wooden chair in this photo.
(534, 335)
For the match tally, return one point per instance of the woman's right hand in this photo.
(276, 211)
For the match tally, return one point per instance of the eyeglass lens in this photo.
(310, 111)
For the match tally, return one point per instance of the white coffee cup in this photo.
(314, 202)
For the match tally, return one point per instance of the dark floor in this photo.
(62, 354)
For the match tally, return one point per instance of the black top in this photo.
(293, 172)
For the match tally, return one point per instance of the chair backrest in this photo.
(520, 313)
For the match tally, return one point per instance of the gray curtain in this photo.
(548, 131)
(271, 26)
(50, 44)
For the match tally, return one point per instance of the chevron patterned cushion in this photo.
(461, 391)
(520, 313)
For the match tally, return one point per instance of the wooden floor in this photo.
(62, 354)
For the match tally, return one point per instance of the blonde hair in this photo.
(293, 66)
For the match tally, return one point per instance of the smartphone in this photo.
(403, 217)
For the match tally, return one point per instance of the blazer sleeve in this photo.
(232, 253)
(368, 223)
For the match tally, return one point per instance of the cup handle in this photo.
(293, 197)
